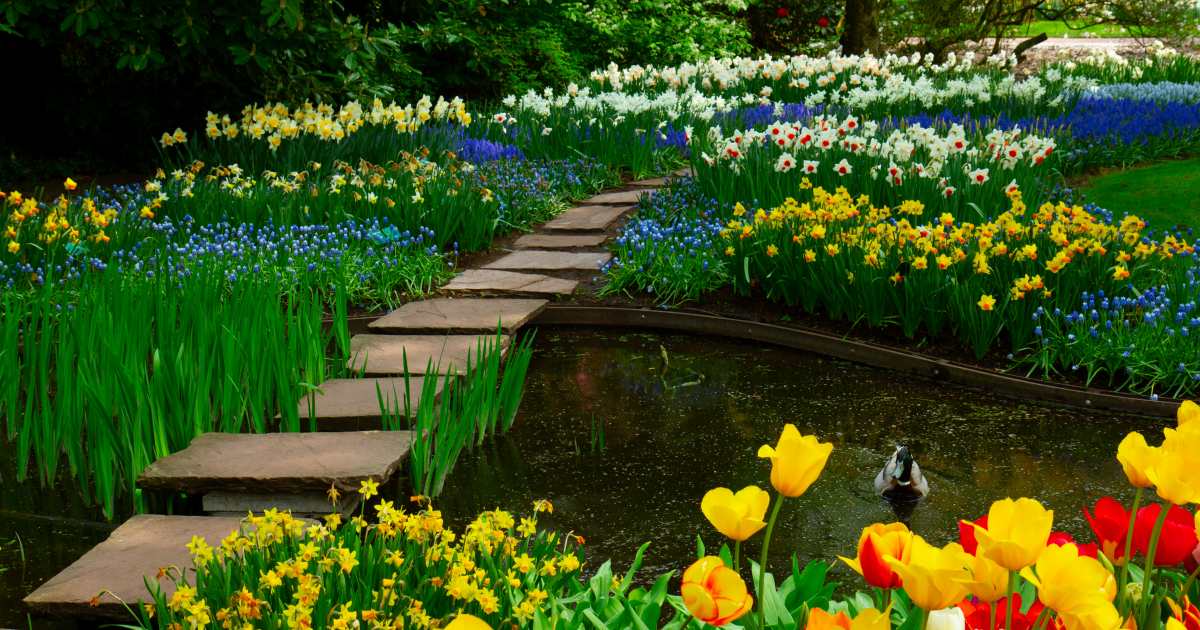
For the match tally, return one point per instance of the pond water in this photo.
(666, 443)
(671, 435)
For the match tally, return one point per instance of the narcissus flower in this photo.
(1111, 525)
(1016, 533)
(796, 461)
(737, 516)
(714, 593)
(878, 545)
(986, 302)
(69, 184)
(931, 576)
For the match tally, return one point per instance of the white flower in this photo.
(843, 167)
(511, 101)
(1012, 186)
(810, 166)
(978, 176)
(785, 163)
(947, 619)
(546, 131)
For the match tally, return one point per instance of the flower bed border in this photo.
(871, 354)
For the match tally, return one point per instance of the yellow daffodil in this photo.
(737, 516)
(369, 488)
(986, 302)
(796, 461)
(933, 577)
(1016, 533)
(1136, 458)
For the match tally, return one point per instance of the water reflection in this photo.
(666, 445)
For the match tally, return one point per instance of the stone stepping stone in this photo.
(383, 355)
(139, 547)
(494, 282)
(560, 241)
(621, 197)
(532, 260)
(237, 473)
(352, 404)
(686, 172)
(650, 183)
(587, 218)
(458, 317)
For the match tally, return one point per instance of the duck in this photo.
(901, 478)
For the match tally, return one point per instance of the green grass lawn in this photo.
(1058, 29)
(1165, 194)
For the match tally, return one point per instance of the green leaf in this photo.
(726, 556)
(699, 541)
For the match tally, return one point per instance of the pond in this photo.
(669, 438)
(672, 430)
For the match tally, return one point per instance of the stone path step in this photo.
(383, 355)
(585, 218)
(560, 241)
(139, 547)
(352, 404)
(622, 197)
(550, 261)
(494, 282)
(650, 183)
(244, 472)
(458, 317)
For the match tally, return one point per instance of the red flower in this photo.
(781, 14)
(1186, 614)
(979, 616)
(1111, 525)
(1062, 538)
(966, 534)
(1178, 538)
(822, 22)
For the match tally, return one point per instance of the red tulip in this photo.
(979, 616)
(1062, 538)
(1111, 525)
(1178, 537)
(822, 22)
(966, 534)
(1186, 614)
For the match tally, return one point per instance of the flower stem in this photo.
(924, 618)
(1137, 500)
(1012, 586)
(993, 624)
(1188, 585)
(737, 555)
(1158, 525)
(762, 566)
(689, 620)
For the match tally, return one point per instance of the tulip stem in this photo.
(993, 624)
(924, 618)
(1150, 552)
(762, 566)
(1012, 587)
(1188, 585)
(1137, 500)
(737, 556)
(689, 620)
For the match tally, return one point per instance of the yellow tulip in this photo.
(737, 516)
(468, 622)
(1077, 587)
(796, 461)
(988, 581)
(1136, 457)
(873, 619)
(932, 576)
(1016, 533)
(1176, 473)
(1188, 412)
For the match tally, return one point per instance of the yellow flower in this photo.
(13, 247)
(737, 516)
(873, 619)
(1016, 534)
(988, 581)
(772, 250)
(809, 255)
(1176, 473)
(1136, 458)
(1188, 412)
(524, 564)
(832, 250)
(1077, 587)
(933, 577)
(796, 461)
(729, 250)
(369, 488)
(986, 302)
(528, 526)
(470, 622)
(69, 184)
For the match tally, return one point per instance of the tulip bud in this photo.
(946, 619)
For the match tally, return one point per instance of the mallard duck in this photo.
(901, 478)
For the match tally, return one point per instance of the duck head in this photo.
(902, 472)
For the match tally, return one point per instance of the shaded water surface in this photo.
(667, 443)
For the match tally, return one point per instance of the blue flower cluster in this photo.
(1165, 92)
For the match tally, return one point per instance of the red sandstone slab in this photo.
(138, 548)
(587, 218)
(458, 317)
(383, 355)
(494, 282)
(275, 463)
(560, 241)
(550, 261)
(352, 404)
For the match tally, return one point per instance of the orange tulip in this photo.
(818, 619)
(876, 547)
(714, 593)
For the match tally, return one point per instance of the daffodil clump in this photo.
(402, 570)
(70, 222)
(858, 260)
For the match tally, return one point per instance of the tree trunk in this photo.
(860, 33)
